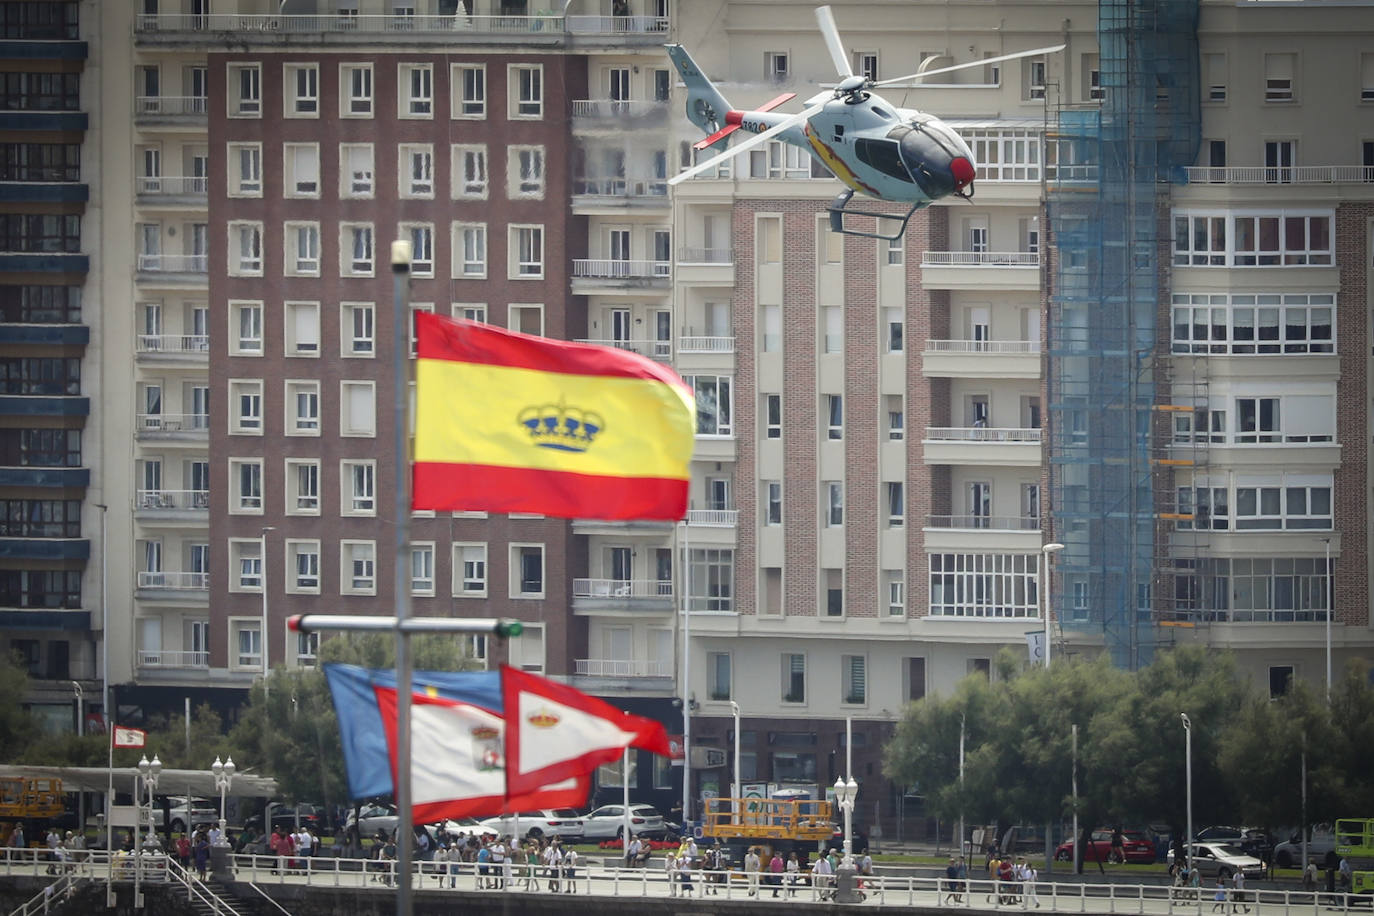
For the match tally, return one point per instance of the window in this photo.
(983, 585)
(417, 171)
(358, 329)
(303, 566)
(246, 638)
(772, 328)
(1214, 77)
(471, 311)
(834, 412)
(527, 319)
(1279, 77)
(1253, 239)
(1254, 324)
(832, 587)
(866, 64)
(245, 90)
(896, 417)
(307, 649)
(245, 169)
(421, 237)
(470, 570)
(711, 580)
(1257, 420)
(245, 249)
(302, 328)
(302, 408)
(715, 403)
(358, 567)
(772, 416)
(793, 677)
(832, 329)
(416, 82)
(302, 90)
(245, 328)
(355, 99)
(245, 564)
(525, 172)
(1033, 78)
(527, 252)
(356, 250)
(469, 91)
(896, 503)
(772, 494)
(357, 409)
(1261, 589)
(853, 679)
(302, 163)
(302, 249)
(893, 321)
(468, 167)
(470, 250)
(245, 400)
(775, 66)
(1367, 77)
(422, 568)
(896, 593)
(246, 477)
(527, 570)
(718, 676)
(527, 90)
(832, 503)
(302, 486)
(1092, 78)
(355, 171)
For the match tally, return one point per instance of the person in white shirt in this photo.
(570, 871)
(752, 863)
(632, 852)
(820, 876)
(670, 869)
(305, 843)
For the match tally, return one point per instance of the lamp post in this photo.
(1045, 552)
(224, 778)
(846, 792)
(262, 561)
(149, 771)
(1188, 764)
(734, 783)
(1329, 603)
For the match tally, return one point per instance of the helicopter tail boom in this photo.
(706, 107)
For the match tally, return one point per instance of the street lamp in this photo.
(1188, 764)
(846, 792)
(150, 771)
(1044, 582)
(224, 778)
(734, 784)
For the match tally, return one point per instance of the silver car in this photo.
(608, 822)
(1221, 860)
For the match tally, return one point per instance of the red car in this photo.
(1136, 846)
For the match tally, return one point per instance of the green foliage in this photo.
(17, 728)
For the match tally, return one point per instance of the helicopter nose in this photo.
(963, 172)
(936, 168)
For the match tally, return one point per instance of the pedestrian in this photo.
(1118, 853)
(553, 858)
(570, 871)
(951, 882)
(821, 873)
(1238, 882)
(776, 867)
(183, 851)
(752, 864)
(1309, 876)
(1219, 898)
(1028, 878)
(484, 867)
(670, 869)
(305, 844)
(793, 874)
(632, 852)
(201, 852)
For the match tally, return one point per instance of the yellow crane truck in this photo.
(31, 802)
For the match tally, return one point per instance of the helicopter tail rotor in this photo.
(706, 107)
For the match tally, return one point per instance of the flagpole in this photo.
(686, 675)
(109, 814)
(401, 253)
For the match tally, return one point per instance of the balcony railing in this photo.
(654, 349)
(705, 256)
(980, 259)
(713, 518)
(612, 269)
(173, 422)
(706, 345)
(983, 522)
(622, 588)
(169, 658)
(614, 667)
(175, 581)
(1298, 174)
(983, 346)
(980, 434)
(616, 108)
(172, 499)
(173, 343)
(171, 185)
(179, 105)
(174, 263)
(621, 188)
(153, 23)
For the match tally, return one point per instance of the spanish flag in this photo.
(509, 422)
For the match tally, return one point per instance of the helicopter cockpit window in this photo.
(883, 155)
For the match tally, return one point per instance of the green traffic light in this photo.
(510, 628)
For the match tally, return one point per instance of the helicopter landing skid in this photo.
(839, 209)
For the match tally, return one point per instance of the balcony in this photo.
(706, 266)
(713, 518)
(981, 270)
(169, 189)
(614, 667)
(609, 275)
(981, 359)
(193, 348)
(152, 110)
(983, 522)
(174, 584)
(548, 28)
(171, 503)
(190, 427)
(173, 269)
(654, 349)
(621, 596)
(175, 659)
(981, 445)
(706, 345)
(615, 196)
(1300, 174)
(618, 114)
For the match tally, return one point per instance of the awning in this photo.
(170, 782)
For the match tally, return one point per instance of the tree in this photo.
(17, 727)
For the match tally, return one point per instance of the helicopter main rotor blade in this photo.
(755, 140)
(826, 20)
(973, 63)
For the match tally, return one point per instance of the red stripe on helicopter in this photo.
(733, 119)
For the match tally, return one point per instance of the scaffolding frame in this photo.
(1107, 204)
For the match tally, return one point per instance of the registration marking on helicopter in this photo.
(837, 165)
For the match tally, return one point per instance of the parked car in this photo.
(202, 811)
(1222, 860)
(312, 816)
(371, 819)
(1251, 840)
(860, 839)
(550, 822)
(462, 827)
(1289, 852)
(1136, 846)
(608, 821)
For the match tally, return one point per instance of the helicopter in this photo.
(873, 147)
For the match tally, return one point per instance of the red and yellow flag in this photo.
(509, 422)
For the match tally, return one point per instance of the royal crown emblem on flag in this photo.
(568, 429)
(542, 718)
